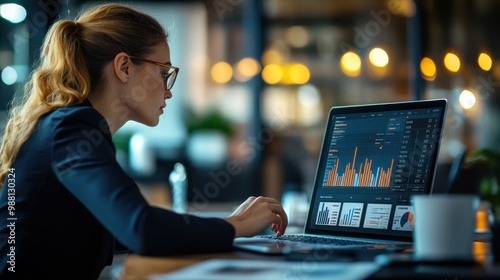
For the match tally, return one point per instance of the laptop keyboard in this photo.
(316, 239)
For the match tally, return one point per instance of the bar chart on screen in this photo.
(367, 175)
(328, 213)
(351, 214)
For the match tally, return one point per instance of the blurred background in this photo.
(257, 79)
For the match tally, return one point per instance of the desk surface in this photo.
(140, 267)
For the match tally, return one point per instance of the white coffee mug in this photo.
(444, 226)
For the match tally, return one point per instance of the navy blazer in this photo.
(72, 199)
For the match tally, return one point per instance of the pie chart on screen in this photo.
(404, 219)
(407, 219)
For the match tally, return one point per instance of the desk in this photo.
(137, 267)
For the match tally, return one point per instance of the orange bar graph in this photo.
(363, 177)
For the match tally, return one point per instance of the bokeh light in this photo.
(299, 74)
(309, 96)
(467, 99)
(297, 36)
(350, 64)
(428, 68)
(378, 57)
(221, 72)
(13, 12)
(9, 75)
(271, 56)
(452, 62)
(484, 61)
(272, 74)
(248, 67)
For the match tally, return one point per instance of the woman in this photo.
(64, 196)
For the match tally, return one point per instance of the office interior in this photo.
(257, 79)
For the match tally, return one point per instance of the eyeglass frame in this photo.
(176, 70)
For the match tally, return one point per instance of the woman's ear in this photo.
(121, 66)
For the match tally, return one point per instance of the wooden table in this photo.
(137, 267)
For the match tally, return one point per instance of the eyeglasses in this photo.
(169, 77)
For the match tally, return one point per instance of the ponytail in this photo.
(63, 67)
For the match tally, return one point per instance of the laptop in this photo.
(373, 159)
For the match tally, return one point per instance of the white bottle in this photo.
(178, 183)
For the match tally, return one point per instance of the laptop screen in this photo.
(373, 159)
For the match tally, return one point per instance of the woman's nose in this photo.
(168, 94)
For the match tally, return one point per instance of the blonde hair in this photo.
(70, 66)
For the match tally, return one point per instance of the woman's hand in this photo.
(253, 215)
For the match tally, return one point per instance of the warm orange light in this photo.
(484, 61)
(452, 62)
(248, 67)
(271, 56)
(482, 220)
(286, 79)
(299, 74)
(350, 63)
(221, 72)
(376, 72)
(402, 7)
(272, 74)
(428, 68)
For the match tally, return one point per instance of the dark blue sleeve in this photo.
(83, 159)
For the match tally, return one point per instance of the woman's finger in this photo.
(279, 217)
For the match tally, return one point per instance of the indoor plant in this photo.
(488, 161)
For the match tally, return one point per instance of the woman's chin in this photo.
(151, 122)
